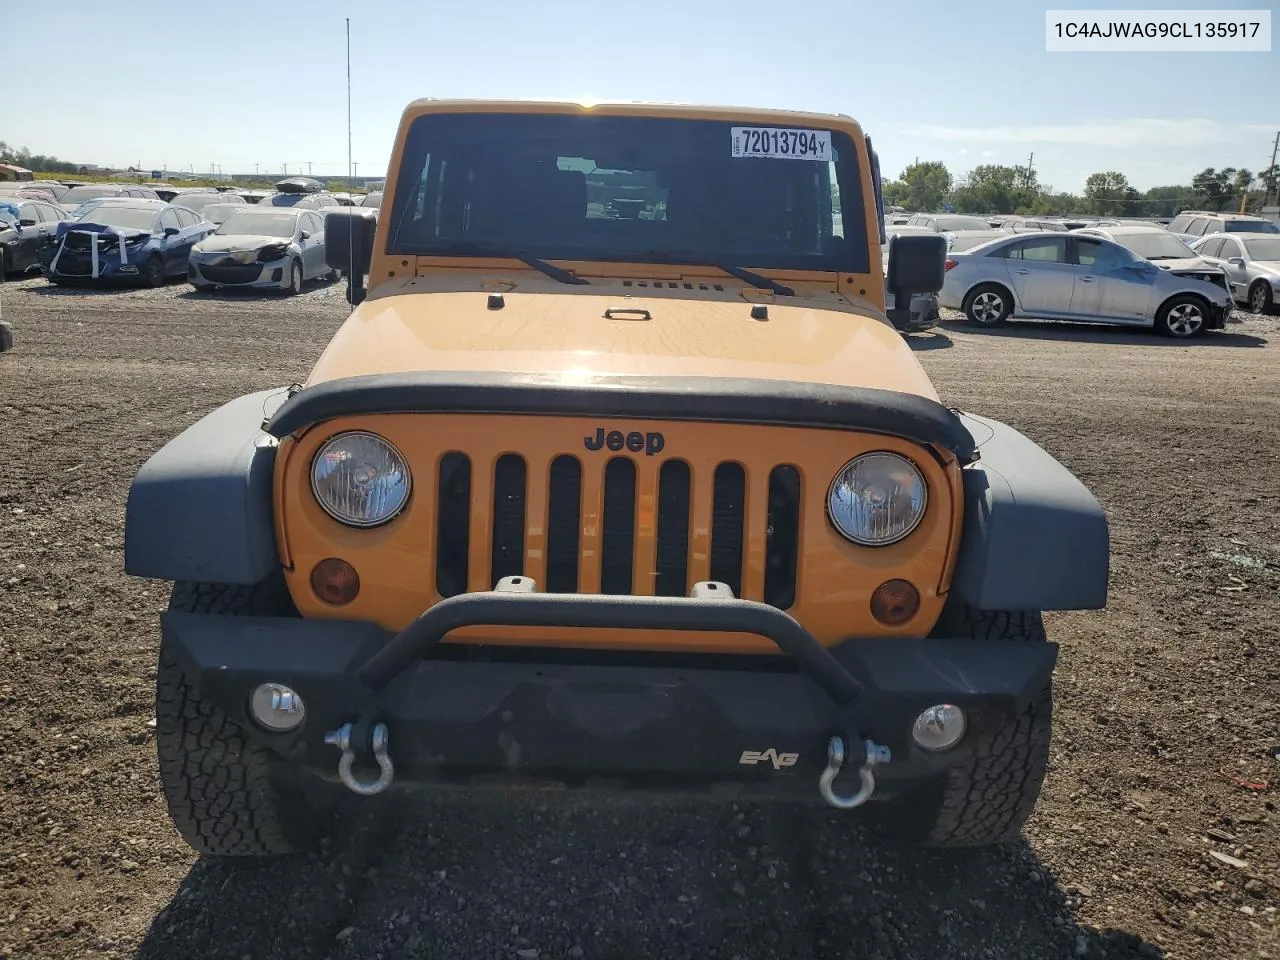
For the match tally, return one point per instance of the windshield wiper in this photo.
(464, 249)
(755, 279)
(742, 273)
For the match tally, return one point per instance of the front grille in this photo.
(616, 526)
(74, 266)
(81, 240)
(231, 273)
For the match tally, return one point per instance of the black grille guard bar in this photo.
(501, 608)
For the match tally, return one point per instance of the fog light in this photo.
(895, 602)
(335, 581)
(940, 727)
(276, 707)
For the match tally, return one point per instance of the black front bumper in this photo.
(760, 727)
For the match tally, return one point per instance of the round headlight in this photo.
(360, 479)
(877, 499)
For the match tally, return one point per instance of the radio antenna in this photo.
(351, 252)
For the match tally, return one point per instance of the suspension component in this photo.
(341, 738)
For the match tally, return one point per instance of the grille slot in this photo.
(782, 549)
(453, 513)
(618, 537)
(728, 511)
(509, 493)
(674, 493)
(564, 525)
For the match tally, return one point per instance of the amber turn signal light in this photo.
(895, 602)
(335, 581)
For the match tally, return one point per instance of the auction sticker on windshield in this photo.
(779, 142)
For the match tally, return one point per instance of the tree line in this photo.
(994, 188)
(36, 162)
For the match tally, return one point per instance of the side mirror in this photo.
(1234, 261)
(348, 246)
(305, 235)
(26, 222)
(917, 264)
(171, 231)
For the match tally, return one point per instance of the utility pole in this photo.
(308, 168)
(1271, 171)
(255, 168)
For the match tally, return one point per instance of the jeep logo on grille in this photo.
(635, 441)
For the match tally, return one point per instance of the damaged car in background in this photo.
(1162, 248)
(263, 248)
(26, 227)
(1252, 265)
(1085, 279)
(144, 241)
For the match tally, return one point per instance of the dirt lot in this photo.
(1167, 702)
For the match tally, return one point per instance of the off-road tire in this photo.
(1260, 298)
(979, 295)
(1167, 321)
(987, 798)
(227, 795)
(6, 337)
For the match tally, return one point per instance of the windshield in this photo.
(258, 224)
(967, 241)
(80, 194)
(1251, 226)
(961, 223)
(218, 212)
(1263, 249)
(198, 201)
(1155, 246)
(133, 218)
(630, 189)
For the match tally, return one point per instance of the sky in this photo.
(245, 87)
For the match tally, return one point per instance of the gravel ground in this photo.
(1149, 840)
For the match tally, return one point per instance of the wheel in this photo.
(227, 795)
(6, 337)
(295, 279)
(153, 273)
(987, 305)
(1182, 317)
(1260, 298)
(987, 799)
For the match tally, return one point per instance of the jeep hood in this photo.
(546, 331)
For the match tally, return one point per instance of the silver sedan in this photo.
(262, 248)
(1055, 276)
(1252, 263)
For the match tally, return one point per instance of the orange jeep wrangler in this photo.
(618, 476)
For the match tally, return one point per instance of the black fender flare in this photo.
(201, 507)
(1034, 536)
